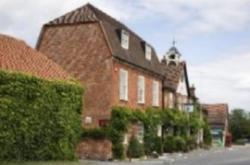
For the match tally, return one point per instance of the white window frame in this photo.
(123, 85)
(141, 90)
(124, 39)
(155, 93)
(148, 52)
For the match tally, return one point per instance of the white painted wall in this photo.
(182, 87)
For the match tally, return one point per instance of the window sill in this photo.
(124, 100)
(141, 103)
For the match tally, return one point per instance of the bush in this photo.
(40, 119)
(169, 144)
(94, 133)
(207, 136)
(174, 144)
(180, 144)
(118, 151)
(241, 142)
(158, 145)
(152, 144)
(191, 143)
(135, 149)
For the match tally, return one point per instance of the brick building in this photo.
(17, 56)
(116, 66)
(217, 116)
(176, 90)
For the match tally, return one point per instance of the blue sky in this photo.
(213, 36)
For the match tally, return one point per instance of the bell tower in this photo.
(173, 56)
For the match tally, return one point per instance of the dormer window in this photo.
(124, 39)
(148, 52)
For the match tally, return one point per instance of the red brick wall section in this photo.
(83, 52)
(133, 74)
(94, 149)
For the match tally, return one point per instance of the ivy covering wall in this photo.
(39, 119)
(185, 127)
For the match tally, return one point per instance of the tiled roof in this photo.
(15, 55)
(135, 55)
(216, 113)
(172, 75)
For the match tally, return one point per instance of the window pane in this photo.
(125, 39)
(123, 85)
(155, 93)
(141, 89)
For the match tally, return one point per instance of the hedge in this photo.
(94, 133)
(40, 119)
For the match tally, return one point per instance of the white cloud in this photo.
(24, 18)
(195, 17)
(224, 80)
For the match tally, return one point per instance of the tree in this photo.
(239, 123)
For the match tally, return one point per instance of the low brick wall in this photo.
(95, 149)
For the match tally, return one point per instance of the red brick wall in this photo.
(83, 52)
(133, 74)
(94, 149)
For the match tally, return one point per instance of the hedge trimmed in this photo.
(40, 119)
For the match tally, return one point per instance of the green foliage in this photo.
(152, 143)
(94, 133)
(135, 149)
(169, 145)
(152, 119)
(180, 144)
(239, 123)
(191, 143)
(122, 117)
(175, 144)
(207, 136)
(40, 119)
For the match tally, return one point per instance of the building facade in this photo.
(217, 117)
(176, 88)
(115, 65)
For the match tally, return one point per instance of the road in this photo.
(237, 155)
(234, 156)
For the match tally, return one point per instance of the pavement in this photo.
(236, 155)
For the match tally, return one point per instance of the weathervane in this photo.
(174, 41)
